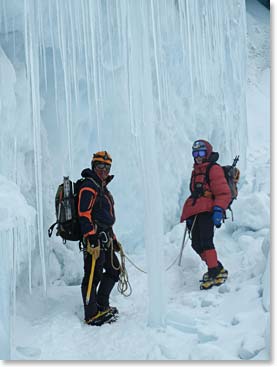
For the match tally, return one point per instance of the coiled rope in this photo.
(123, 286)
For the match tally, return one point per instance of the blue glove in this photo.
(189, 222)
(217, 216)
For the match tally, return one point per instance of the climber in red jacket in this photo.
(205, 208)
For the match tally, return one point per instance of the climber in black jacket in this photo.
(96, 217)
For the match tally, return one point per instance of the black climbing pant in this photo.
(103, 282)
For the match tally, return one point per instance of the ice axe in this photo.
(183, 245)
(93, 261)
(184, 238)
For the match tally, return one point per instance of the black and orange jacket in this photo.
(95, 204)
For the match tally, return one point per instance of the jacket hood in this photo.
(87, 172)
(214, 156)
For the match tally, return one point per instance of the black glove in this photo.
(116, 245)
(93, 240)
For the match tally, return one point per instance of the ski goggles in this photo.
(199, 153)
(104, 166)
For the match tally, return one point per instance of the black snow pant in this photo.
(202, 233)
(103, 282)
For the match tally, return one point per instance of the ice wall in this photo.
(140, 79)
(17, 218)
(17, 223)
(80, 75)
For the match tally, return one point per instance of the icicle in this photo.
(15, 161)
(12, 305)
(41, 41)
(4, 19)
(130, 58)
(191, 67)
(29, 243)
(110, 39)
(102, 84)
(87, 61)
(53, 46)
(32, 74)
(62, 15)
(74, 54)
(156, 58)
(95, 72)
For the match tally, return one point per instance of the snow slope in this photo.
(226, 323)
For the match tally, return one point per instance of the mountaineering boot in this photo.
(104, 317)
(218, 280)
(112, 309)
(209, 280)
(91, 308)
(215, 271)
(223, 274)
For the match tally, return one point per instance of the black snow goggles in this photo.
(105, 166)
(199, 153)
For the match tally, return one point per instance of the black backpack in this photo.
(232, 175)
(66, 205)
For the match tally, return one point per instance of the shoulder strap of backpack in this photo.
(81, 180)
(208, 171)
(95, 183)
(50, 229)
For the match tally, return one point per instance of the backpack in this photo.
(66, 206)
(232, 175)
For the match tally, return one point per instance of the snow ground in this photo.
(225, 323)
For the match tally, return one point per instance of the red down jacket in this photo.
(218, 191)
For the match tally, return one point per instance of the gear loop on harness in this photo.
(102, 236)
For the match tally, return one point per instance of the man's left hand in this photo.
(217, 216)
(116, 245)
